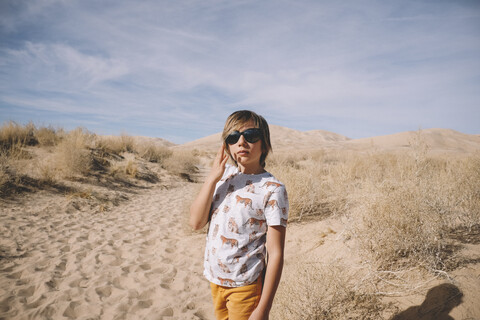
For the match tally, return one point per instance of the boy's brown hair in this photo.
(238, 119)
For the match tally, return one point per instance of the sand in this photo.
(61, 258)
(140, 261)
(136, 261)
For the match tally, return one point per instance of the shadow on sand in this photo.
(439, 301)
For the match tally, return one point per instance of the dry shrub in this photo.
(47, 136)
(131, 168)
(116, 144)
(182, 163)
(410, 213)
(4, 170)
(127, 167)
(317, 291)
(315, 188)
(47, 170)
(12, 133)
(153, 153)
(404, 205)
(72, 155)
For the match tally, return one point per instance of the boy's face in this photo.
(245, 153)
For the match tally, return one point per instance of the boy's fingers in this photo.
(224, 160)
(220, 153)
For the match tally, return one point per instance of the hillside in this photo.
(436, 140)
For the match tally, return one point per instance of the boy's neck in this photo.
(251, 169)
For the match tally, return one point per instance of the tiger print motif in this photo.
(214, 213)
(223, 267)
(265, 199)
(245, 201)
(249, 186)
(252, 222)
(232, 242)
(232, 225)
(272, 203)
(215, 230)
(226, 282)
(272, 184)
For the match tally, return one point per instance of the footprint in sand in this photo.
(104, 292)
(70, 310)
(27, 292)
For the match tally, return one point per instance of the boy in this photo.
(242, 203)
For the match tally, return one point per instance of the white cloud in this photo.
(311, 59)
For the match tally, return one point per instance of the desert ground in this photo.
(381, 228)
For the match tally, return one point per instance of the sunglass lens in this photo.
(233, 137)
(252, 135)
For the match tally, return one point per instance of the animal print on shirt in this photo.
(232, 242)
(232, 225)
(245, 201)
(244, 205)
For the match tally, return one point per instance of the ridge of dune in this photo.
(282, 138)
(436, 139)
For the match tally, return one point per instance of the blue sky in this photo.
(177, 69)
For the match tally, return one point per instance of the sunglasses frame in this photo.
(256, 132)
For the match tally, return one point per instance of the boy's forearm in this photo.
(271, 281)
(200, 208)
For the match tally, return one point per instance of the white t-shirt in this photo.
(242, 208)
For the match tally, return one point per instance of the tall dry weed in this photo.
(404, 205)
(314, 291)
(12, 133)
(47, 136)
(116, 144)
(73, 155)
(182, 163)
(153, 153)
(316, 185)
(407, 217)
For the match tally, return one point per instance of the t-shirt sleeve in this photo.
(276, 207)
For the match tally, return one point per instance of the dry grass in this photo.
(403, 204)
(313, 290)
(403, 210)
(154, 153)
(73, 155)
(32, 157)
(183, 163)
(12, 134)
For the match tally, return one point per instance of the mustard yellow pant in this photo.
(236, 303)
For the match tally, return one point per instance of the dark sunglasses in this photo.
(250, 135)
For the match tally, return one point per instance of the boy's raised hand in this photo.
(218, 166)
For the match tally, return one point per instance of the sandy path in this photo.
(137, 261)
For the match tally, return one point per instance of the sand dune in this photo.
(437, 140)
(282, 138)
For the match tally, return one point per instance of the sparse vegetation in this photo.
(405, 209)
(56, 157)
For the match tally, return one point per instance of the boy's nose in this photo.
(241, 140)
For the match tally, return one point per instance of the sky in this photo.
(177, 69)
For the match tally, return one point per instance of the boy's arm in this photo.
(275, 248)
(200, 208)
